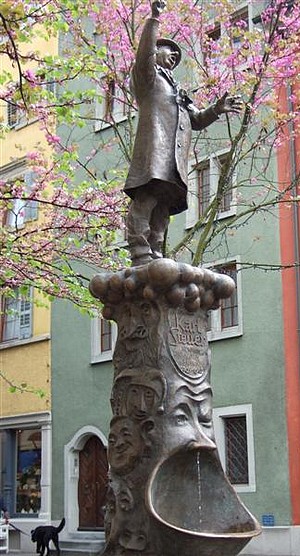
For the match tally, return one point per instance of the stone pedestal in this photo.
(168, 493)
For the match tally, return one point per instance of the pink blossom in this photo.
(29, 74)
(52, 139)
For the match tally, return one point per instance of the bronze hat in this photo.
(173, 45)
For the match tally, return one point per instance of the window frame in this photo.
(17, 300)
(194, 198)
(217, 332)
(97, 355)
(10, 425)
(217, 26)
(14, 172)
(104, 116)
(12, 115)
(19, 473)
(219, 415)
(21, 119)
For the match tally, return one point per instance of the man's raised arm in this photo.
(144, 68)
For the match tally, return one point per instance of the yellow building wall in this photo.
(41, 315)
(26, 362)
(19, 141)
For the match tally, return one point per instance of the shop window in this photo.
(25, 442)
(28, 491)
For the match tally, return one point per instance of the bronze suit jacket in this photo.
(166, 120)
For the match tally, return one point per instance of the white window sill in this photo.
(232, 332)
(22, 124)
(101, 358)
(227, 213)
(15, 343)
(219, 216)
(244, 488)
(102, 125)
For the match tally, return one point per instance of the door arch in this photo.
(92, 484)
(71, 474)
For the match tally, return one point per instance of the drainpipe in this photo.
(295, 208)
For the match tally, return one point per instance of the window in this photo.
(28, 491)
(16, 317)
(111, 106)
(234, 436)
(16, 115)
(215, 33)
(236, 453)
(226, 322)
(104, 335)
(239, 24)
(241, 21)
(12, 115)
(203, 186)
(25, 482)
(22, 210)
(210, 50)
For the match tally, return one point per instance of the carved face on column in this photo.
(138, 341)
(125, 444)
(139, 393)
(189, 418)
(130, 527)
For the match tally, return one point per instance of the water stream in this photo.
(199, 487)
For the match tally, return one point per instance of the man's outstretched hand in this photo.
(158, 6)
(227, 104)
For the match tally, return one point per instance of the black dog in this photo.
(43, 534)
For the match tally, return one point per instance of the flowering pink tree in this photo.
(85, 87)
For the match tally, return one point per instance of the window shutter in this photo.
(119, 109)
(31, 207)
(50, 87)
(192, 200)
(25, 317)
(214, 175)
(16, 216)
(10, 330)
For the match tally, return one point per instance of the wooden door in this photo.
(92, 485)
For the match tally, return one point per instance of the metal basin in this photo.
(196, 509)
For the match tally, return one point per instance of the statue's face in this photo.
(125, 445)
(189, 419)
(166, 57)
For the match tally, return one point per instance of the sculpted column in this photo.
(168, 493)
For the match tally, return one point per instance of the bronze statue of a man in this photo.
(158, 174)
